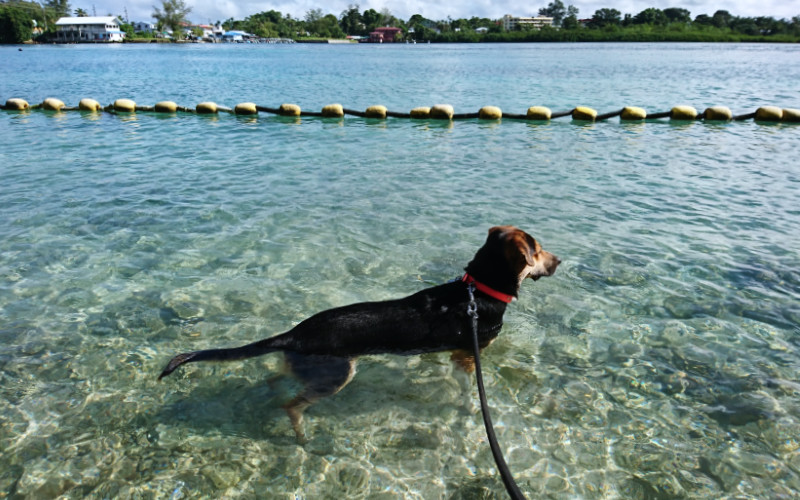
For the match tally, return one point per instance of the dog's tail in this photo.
(246, 351)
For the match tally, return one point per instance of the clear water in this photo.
(660, 361)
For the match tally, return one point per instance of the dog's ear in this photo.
(500, 229)
(517, 243)
(525, 245)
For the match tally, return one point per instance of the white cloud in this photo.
(213, 10)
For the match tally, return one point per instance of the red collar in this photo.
(491, 292)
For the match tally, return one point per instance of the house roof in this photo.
(66, 21)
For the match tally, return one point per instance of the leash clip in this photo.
(472, 307)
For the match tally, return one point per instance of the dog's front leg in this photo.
(464, 360)
(464, 363)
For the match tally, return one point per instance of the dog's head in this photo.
(508, 257)
(524, 253)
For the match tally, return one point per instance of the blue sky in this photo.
(204, 11)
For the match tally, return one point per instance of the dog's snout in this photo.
(554, 262)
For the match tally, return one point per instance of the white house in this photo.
(510, 22)
(88, 29)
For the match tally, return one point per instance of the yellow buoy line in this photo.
(436, 112)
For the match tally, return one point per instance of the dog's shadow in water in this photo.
(252, 407)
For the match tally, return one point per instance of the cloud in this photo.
(204, 11)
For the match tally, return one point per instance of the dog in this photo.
(321, 350)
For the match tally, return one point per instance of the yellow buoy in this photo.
(245, 108)
(124, 105)
(791, 115)
(289, 110)
(165, 107)
(17, 104)
(718, 113)
(769, 114)
(333, 111)
(52, 104)
(584, 114)
(539, 113)
(206, 108)
(683, 113)
(421, 112)
(89, 105)
(633, 113)
(442, 112)
(376, 111)
(490, 113)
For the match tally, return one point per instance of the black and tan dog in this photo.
(321, 350)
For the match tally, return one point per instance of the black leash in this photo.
(508, 479)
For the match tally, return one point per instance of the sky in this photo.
(210, 11)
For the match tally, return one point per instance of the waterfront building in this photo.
(386, 34)
(143, 27)
(88, 29)
(511, 23)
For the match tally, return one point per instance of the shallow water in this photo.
(659, 361)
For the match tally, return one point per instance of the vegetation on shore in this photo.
(21, 21)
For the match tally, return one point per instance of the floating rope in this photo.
(437, 112)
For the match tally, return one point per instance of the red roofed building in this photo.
(387, 34)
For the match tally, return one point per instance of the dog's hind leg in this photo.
(321, 376)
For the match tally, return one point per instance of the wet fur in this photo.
(321, 350)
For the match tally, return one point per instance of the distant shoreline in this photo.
(338, 41)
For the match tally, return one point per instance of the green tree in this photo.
(271, 24)
(419, 28)
(172, 16)
(229, 24)
(332, 25)
(350, 20)
(480, 22)
(721, 18)
(794, 26)
(314, 15)
(15, 24)
(676, 15)
(127, 28)
(60, 8)
(571, 21)
(325, 26)
(81, 13)
(371, 19)
(605, 17)
(651, 16)
(556, 10)
(703, 20)
(769, 26)
(461, 25)
(389, 19)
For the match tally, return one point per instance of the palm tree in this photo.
(60, 7)
(81, 13)
(172, 16)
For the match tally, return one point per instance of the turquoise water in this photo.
(660, 361)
